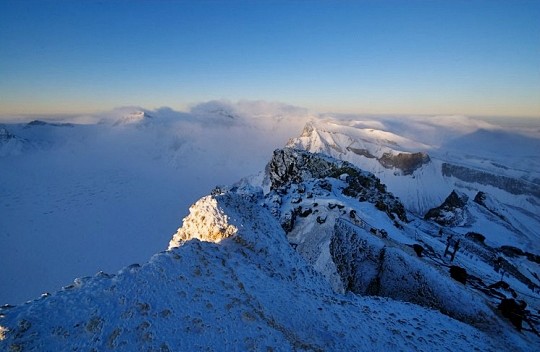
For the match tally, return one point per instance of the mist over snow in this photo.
(79, 198)
(305, 203)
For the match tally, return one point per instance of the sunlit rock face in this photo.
(206, 222)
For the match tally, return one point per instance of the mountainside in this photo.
(315, 253)
(424, 171)
(242, 287)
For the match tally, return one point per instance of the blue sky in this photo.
(406, 57)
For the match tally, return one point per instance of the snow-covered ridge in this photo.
(422, 175)
(249, 291)
(346, 236)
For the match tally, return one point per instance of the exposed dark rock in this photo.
(511, 251)
(458, 273)
(35, 123)
(533, 257)
(451, 212)
(288, 220)
(455, 201)
(513, 310)
(500, 284)
(476, 237)
(407, 162)
(418, 249)
(362, 152)
(305, 213)
(480, 198)
(508, 184)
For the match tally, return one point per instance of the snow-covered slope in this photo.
(82, 191)
(245, 290)
(423, 160)
(349, 228)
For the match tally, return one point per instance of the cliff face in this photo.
(370, 265)
(452, 212)
(406, 162)
(511, 185)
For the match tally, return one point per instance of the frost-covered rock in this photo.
(206, 222)
(290, 166)
(250, 291)
(372, 266)
(452, 212)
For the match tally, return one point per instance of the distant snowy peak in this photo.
(136, 117)
(391, 151)
(5, 135)
(39, 123)
(11, 144)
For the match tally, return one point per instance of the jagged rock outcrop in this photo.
(452, 212)
(206, 222)
(292, 166)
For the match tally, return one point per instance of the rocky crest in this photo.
(292, 166)
(451, 212)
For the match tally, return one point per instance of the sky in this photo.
(375, 57)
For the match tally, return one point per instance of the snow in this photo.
(250, 291)
(80, 199)
(85, 191)
(466, 142)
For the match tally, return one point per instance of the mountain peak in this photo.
(135, 117)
